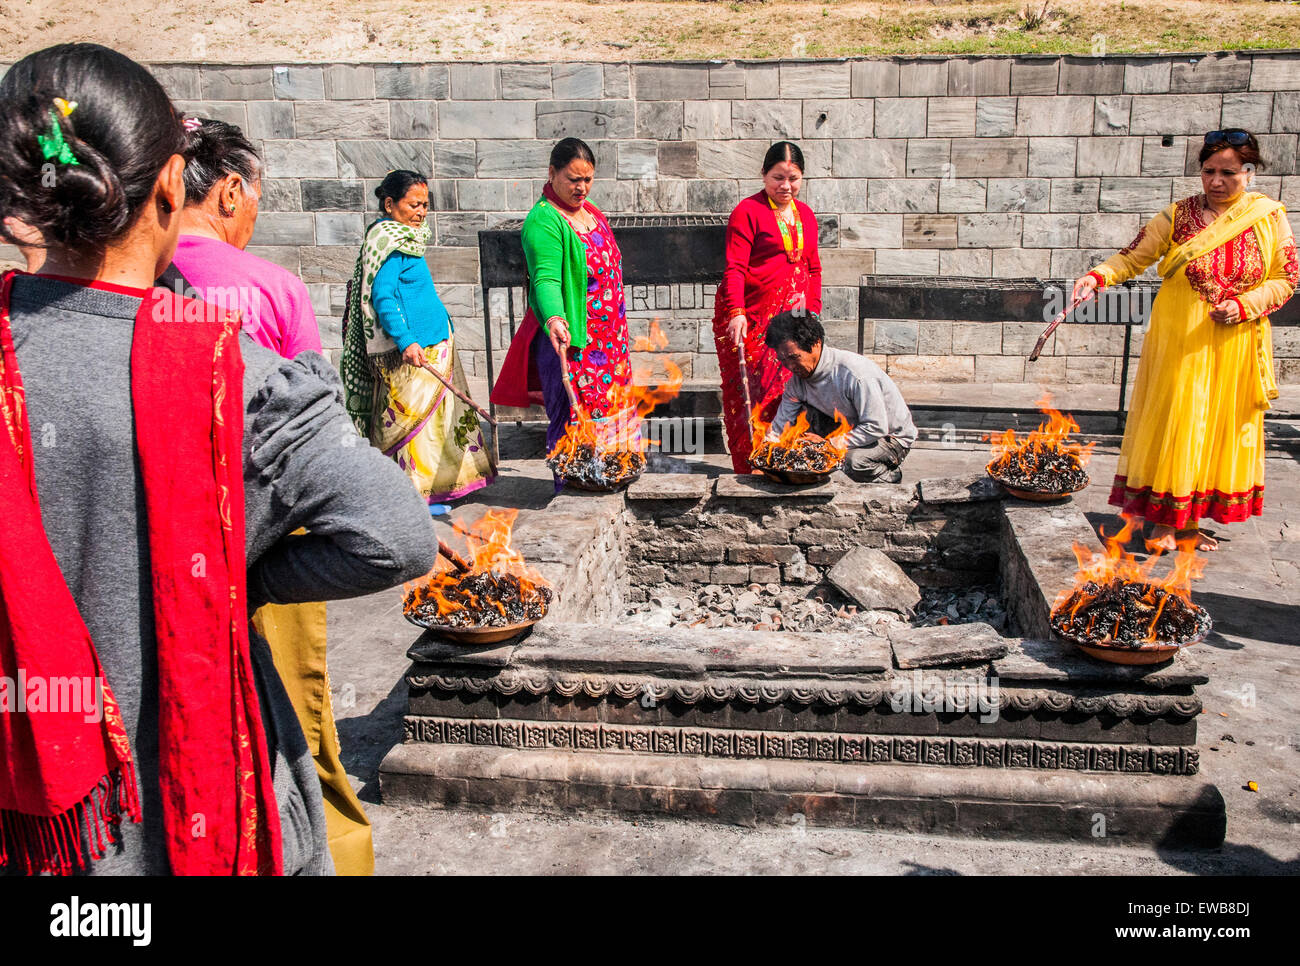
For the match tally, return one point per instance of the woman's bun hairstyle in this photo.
(396, 184)
(216, 149)
(783, 151)
(122, 130)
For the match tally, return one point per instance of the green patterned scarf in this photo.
(362, 335)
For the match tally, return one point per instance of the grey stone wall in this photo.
(990, 167)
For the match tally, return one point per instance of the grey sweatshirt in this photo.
(858, 389)
(304, 466)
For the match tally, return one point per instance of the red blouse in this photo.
(756, 259)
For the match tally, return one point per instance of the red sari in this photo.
(760, 281)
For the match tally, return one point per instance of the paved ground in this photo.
(1250, 731)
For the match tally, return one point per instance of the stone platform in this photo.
(1017, 736)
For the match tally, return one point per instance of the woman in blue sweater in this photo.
(396, 329)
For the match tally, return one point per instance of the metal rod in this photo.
(1047, 333)
(456, 559)
(1123, 376)
(487, 342)
(463, 397)
(568, 386)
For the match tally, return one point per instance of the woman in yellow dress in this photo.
(1193, 447)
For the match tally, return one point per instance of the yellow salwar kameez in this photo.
(1193, 446)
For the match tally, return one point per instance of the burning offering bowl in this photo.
(478, 607)
(809, 459)
(1039, 494)
(586, 469)
(1044, 465)
(1129, 621)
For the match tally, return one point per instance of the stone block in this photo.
(845, 195)
(989, 230)
(712, 196)
(1144, 195)
(1081, 370)
(706, 120)
(966, 262)
(425, 83)
(1147, 76)
(929, 231)
(1161, 161)
(325, 264)
(995, 117)
(934, 338)
(950, 117)
(1252, 111)
(298, 83)
(332, 195)
(1000, 369)
(670, 486)
(589, 120)
(1048, 662)
(1110, 114)
(871, 231)
(1075, 194)
(727, 82)
(903, 262)
(349, 82)
(945, 646)
(896, 336)
(903, 195)
(767, 120)
(479, 195)
(899, 117)
(284, 228)
(231, 112)
(618, 80)
(487, 119)
(1071, 263)
(578, 82)
(510, 159)
(876, 158)
(1018, 194)
(270, 120)
(985, 75)
(1053, 116)
(677, 159)
(1274, 72)
(1091, 75)
(1035, 75)
(413, 120)
(1279, 152)
(300, 159)
(341, 119)
(1109, 230)
(1021, 262)
(931, 368)
(753, 487)
(339, 228)
(453, 159)
(928, 158)
(874, 78)
(180, 83)
(868, 576)
(532, 82)
(823, 118)
(923, 78)
(1052, 231)
(1052, 157)
(982, 157)
(962, 194)
(281, 195)
(976, 338)
(1210, 74)
(731, 574)
(1175, 114)
(374, 159)
(236, 83)
(450, 265)
(820, 79)
(762, 81)
(661, 120)
(671, 82)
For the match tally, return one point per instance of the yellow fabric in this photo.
(1195, 424)
(296, 634)
(441, 466)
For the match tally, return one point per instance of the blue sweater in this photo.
(407, 304)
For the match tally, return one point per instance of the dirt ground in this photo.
(280, 31)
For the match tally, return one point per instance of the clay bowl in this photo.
(471, 636)
(794, 477)
(1144, 654)
(1034, 496)
(608, 488)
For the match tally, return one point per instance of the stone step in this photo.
(1005, 803)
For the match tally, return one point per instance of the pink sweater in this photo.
(272, 302)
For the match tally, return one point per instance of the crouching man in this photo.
(824, 380)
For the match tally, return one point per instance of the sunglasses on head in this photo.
(1233, 135)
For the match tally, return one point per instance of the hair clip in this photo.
(53, 145)
(65, 107)
(192, 124)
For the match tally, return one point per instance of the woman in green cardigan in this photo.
(575, 303)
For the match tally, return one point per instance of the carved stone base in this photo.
(1106, 809)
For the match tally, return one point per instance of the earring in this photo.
(166, 206)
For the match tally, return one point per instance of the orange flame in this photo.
(1051, 437)
(488, 542)
(796, 435)
(1115, 564)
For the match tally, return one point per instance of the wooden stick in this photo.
(1047, 333)
(568, 386)
(428, 366)
(456, 559)
(744, 385)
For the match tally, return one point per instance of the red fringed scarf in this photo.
(61, 776)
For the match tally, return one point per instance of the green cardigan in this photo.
(557, 270)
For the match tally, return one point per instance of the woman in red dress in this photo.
(772, 266)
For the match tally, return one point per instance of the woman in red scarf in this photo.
(772, 266)
(152, 464)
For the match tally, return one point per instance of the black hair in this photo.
(783, 151)
(564, 153)
(396, 184)
(803, 328)
(217, 149)
(1247, 153)
(122, 131)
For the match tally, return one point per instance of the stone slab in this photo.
(1004, 802)
(434, 648)
(874, 581)
(945, 645)
(1054, 661)
(757, 486)
(974, 489)
(670, 486)
(683, 652)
